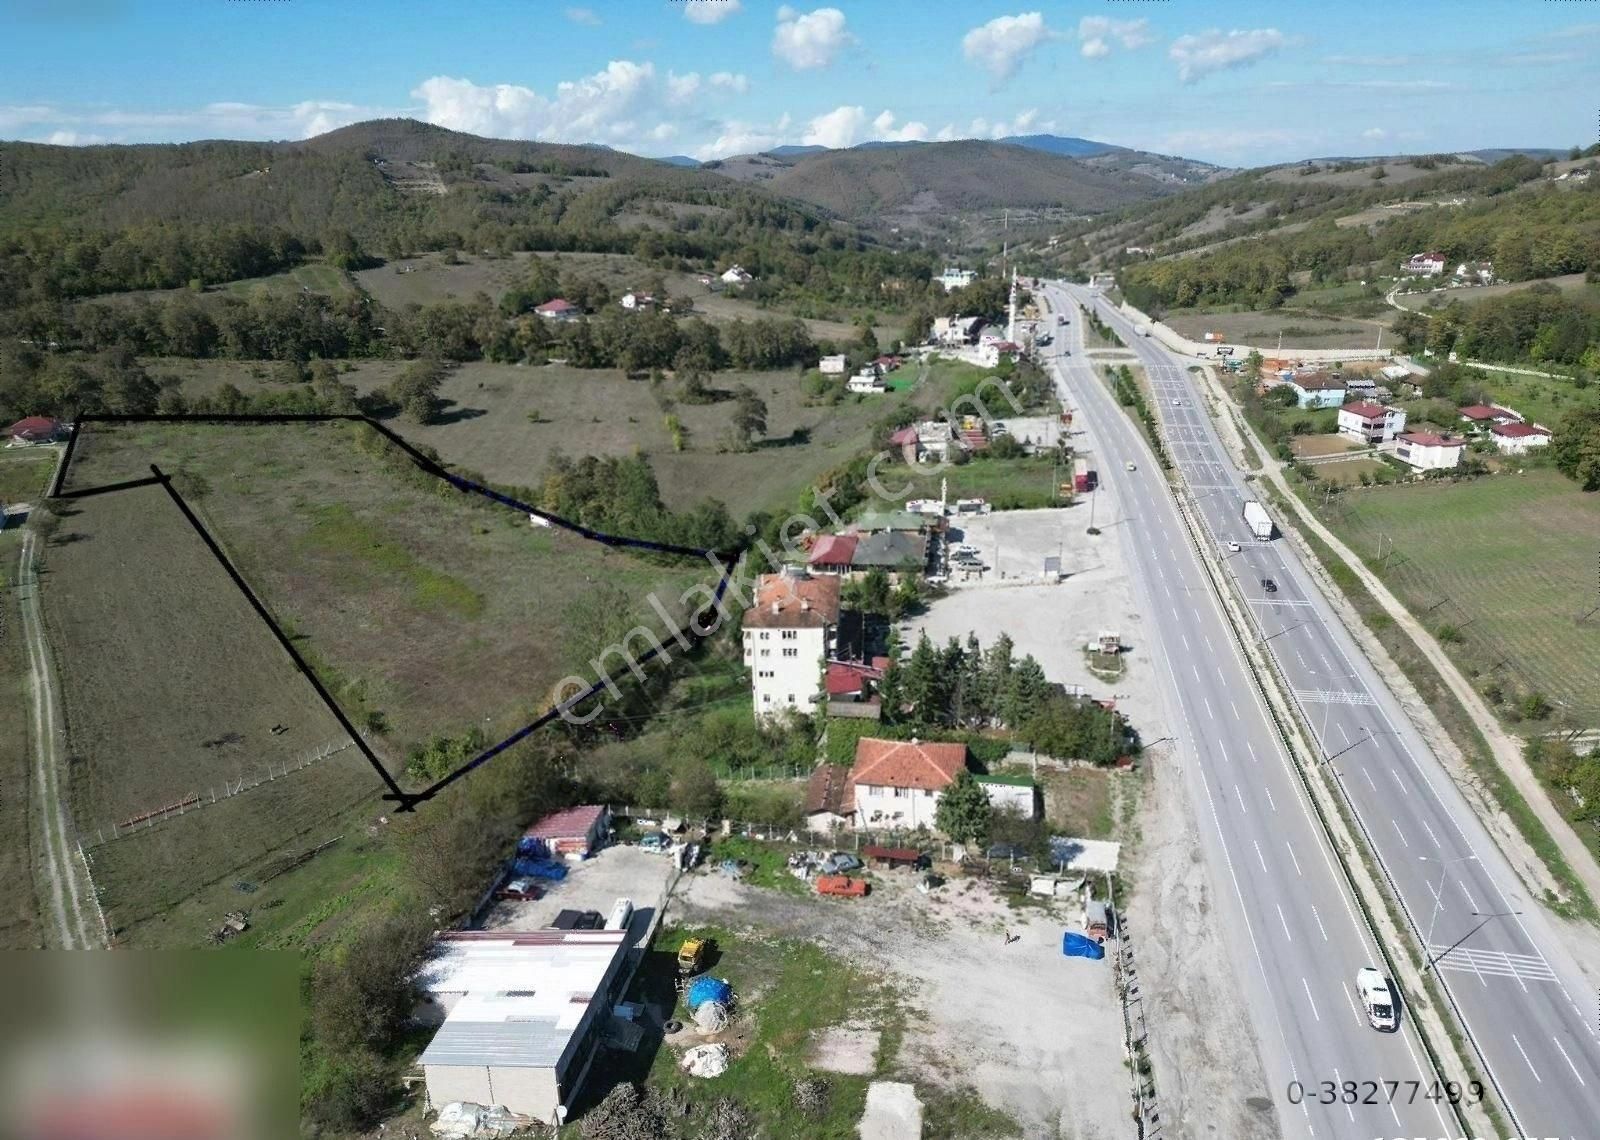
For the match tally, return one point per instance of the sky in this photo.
(1238, 84)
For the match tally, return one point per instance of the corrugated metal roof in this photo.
(531, 1042)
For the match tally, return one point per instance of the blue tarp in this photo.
(1075, 945)
(539, 868)
(531, 846)
(702, 990)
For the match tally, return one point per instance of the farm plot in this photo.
(425, 611)
(1513, 555)
(24, 478)
(1309, 446)
(1299, 330)
(172, 686)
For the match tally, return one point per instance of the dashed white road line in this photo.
(1240, 797)
(1320, 927)
(1259, 856)
(1431, 835)
(1270, 804)
(1285, 923)
(1570, 1065)
(1524, 1053)
(1400, 833)
(1296, 861)
(1313, 1000)
(1368, 775)
(1354, 1008)
(1399, 781)
(1206, 700)
(1252, 751)
(1468, 893)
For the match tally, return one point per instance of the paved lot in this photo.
(1052, 622)
(595, 884)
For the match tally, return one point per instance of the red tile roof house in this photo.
(906, 440)
(1517, 439)
(896, 783)
(832, 554)
(574, 831)
(1481, 415)
(36, 429)
(1369, 422)
(559, 309)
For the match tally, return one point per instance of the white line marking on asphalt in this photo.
(1196, 669)
(1320, 927)
(1240, 796)
(1339, 728)
(1339, 1082)
(1234, 707)
(1368, 775)
(1570, 1065)
(1297, 870)
(1524, 1053)
(1207, 702)
(1468, 893)
(1209, 646)
(1186, 648)
(1355, 1009)
(1260, 856)
(1270, 804)
(1311, 999)
(1285, 923)
(1400, 833)
(1431, 835)
(1399, 781)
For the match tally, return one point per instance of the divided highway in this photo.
(1519, 993)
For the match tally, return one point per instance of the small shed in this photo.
(829, 801)
(575, 831)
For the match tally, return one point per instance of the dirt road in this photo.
(63, 877)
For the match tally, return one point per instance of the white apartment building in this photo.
(1367, 422)
(788, 634)
(953, 279)
(1427, 451)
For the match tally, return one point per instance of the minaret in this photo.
(1011, 312)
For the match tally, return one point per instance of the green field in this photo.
(1508, 560)
(20, 928)
(1539, 399)
(1008, 484)
(313, 276)
(25, 476)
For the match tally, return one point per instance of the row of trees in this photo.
(1540, 324)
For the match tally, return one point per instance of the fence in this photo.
(144, 821)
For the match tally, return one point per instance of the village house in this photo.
(1475, 273)
(834, 365)
(953, 332)
(1519, 438)
(826, 792)
(35, 429)
(737, 275)
(897, 783)
(934, 439)
(905, 439)
(832, 553)
(788, 633)
(1481, 416)
(1317, 389)
(636, 301)
(1370, 423)
(1428, 451)
(896, 552)
(1424, 265)
(868, 381)
(559, 309)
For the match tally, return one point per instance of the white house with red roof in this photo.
(1429, 451)
(788, 633)
(897, 783)
(559, 309)
(1519, 438)
(1425, 264)
(36, 429)
(1369, 423)
(1486, 415)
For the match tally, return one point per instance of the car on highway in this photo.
(1233, 548)
(1376, 998)
(1177, 403)
(1269, 585)
(1130, 466)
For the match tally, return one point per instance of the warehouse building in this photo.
(520, 1015)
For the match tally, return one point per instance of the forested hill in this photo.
(78, 221)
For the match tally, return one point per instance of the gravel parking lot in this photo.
(618, 872)
(1050, 621)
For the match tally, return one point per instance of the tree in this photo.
(695, 791)
(1576, 447)
(749, 417)
(1025, 693)
(416, 390)
(924, 683)
(963, 812)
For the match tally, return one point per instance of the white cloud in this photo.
(597, 108)
(1375, 133)
(1095, 32)
(1005, 43)
(1025, 123)
(72, 138)
(1368, 60)
(744, 138)
(709, 11)
(1215, 50)
(586, 16)
(812, 40)
(847, 126)
(728, 81)
(682, 88)
(214, 120)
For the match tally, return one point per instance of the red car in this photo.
(841, 885)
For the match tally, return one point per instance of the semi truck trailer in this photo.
(1257, 519)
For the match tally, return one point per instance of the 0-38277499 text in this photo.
(1385, 1092)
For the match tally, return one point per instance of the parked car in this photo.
(579, 920)
(1269, 585)
(655, 841)
(840, 862)
(520, 890)
(1233, 548)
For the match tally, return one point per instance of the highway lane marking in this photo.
(1240, 796)
(1209, 646)
(1472, 904)
(1320, 927)
(1297, 870)
(1260, 856)
(1339, 728)
(1429, 830)
(1235, 709)
(1355, 1009)
(1398, 780)
(1196, 669)
(1368, 775)
(1285, 923)
(1524, 1053)
(1252, 749)
(1311, 999)
(1400, 833)
(1500, 962)
(1207, 702)
(1270, 804)
(1339, 1081)
(1570, 1065)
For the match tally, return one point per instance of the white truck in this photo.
(1376, 998)
(1142, 330)
(1257, 519)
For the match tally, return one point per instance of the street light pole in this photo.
(1438, 895)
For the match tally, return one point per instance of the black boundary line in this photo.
(261, 611)
(685, 635)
